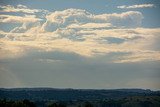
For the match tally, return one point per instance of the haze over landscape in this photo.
(81, 44)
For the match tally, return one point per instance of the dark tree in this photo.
(88, 104)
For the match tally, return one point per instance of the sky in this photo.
(86, 44)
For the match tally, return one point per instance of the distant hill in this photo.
(42, 94)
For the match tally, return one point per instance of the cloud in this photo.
(90, 26)
(139, 56)
(80, 32)
(136, 6)
(127, 19)
(61, 19)
(21, 8)
(27, 27)
(135, 44)
(18, 19)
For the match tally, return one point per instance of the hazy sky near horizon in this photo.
(80, 43)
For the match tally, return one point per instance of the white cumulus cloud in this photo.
(61, 19)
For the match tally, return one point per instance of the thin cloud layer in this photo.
(78, 31)
(21, 8)
(136, 6)
(18, 19)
